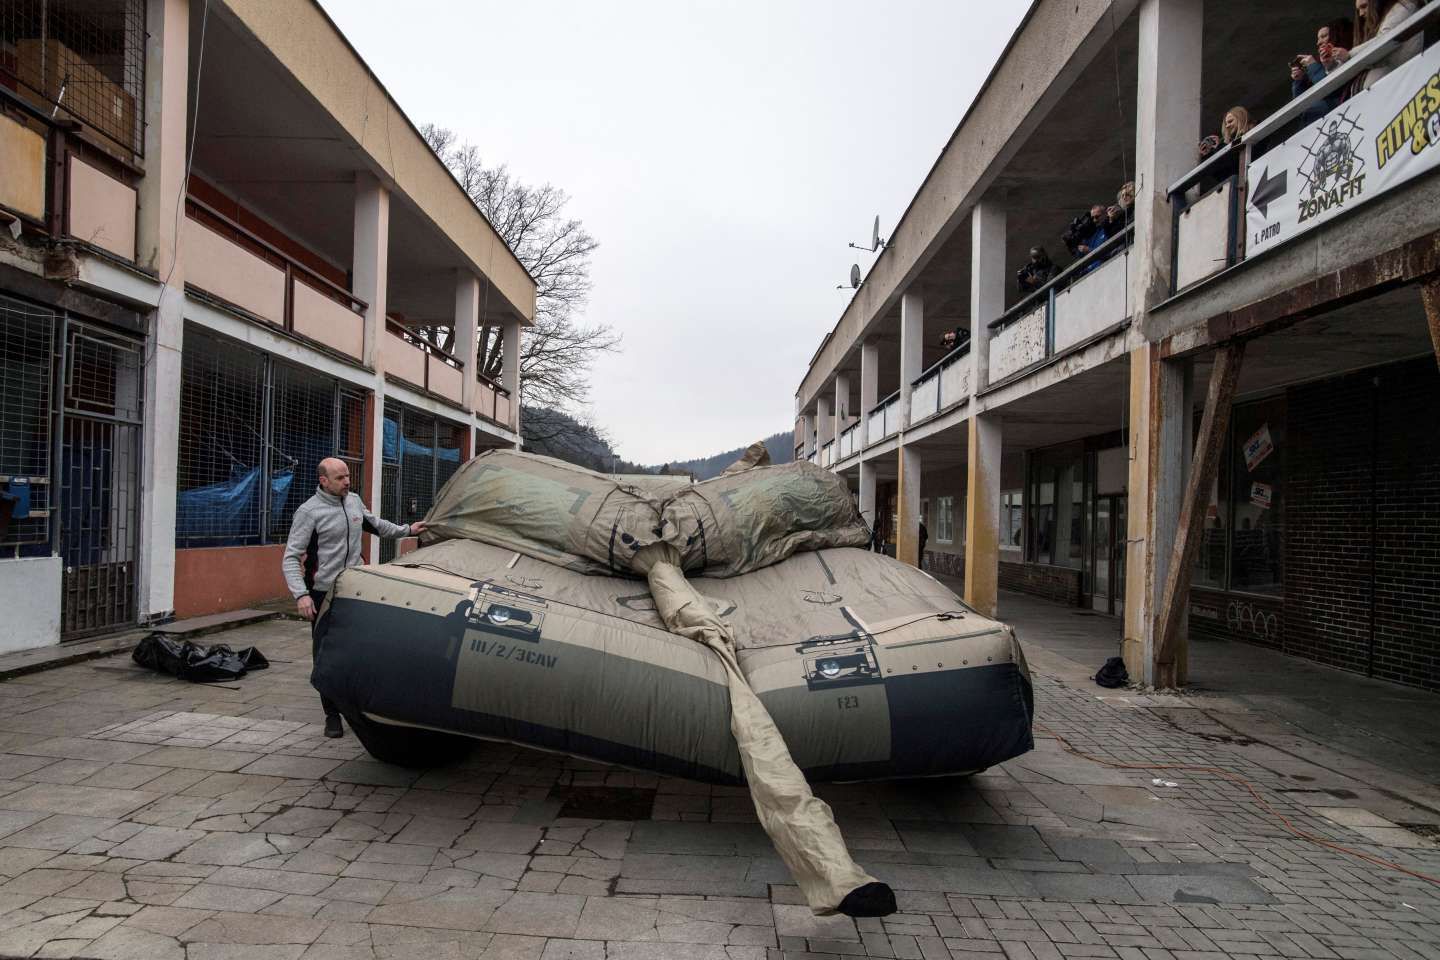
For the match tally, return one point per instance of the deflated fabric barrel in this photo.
(869, 667)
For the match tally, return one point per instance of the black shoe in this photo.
(333, 727)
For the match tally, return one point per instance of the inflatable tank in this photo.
(869, 667)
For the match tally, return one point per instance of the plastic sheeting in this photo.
(196, 663)
(229, 509)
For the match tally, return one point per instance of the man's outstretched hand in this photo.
(417, 528)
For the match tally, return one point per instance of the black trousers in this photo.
(318, 598)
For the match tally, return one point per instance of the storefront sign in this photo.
(1258, 447)
(1376, 140)
(1260, 494)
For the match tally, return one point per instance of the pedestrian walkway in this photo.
(1353, 716)
(144, 817)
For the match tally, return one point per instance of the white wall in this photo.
(30, 597)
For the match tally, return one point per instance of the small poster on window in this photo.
(1258, 447)
(1261, 494)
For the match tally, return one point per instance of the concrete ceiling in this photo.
(264, 141)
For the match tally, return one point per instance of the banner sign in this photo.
(1376, 140)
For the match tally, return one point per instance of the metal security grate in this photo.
(252, 429)
(421, 453)
(98, 480)
(79, 58)
(351, 442)
(302, 433)
(27, 352)
(222, 406)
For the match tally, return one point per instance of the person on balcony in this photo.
(1125, 201)
(1233, 127)
(326, 531)
(1374, 19)
(1086, 231)
(1332, 50)
(1038, 271)
(951, 339)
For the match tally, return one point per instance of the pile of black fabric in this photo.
(197, 664)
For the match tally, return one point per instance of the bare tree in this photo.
(559, 351)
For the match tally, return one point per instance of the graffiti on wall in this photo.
(1246, 620)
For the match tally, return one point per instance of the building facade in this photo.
(224, 255)
(1214, 416)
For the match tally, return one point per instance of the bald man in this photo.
(326, 532)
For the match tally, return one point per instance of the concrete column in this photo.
(467, 329)
(369, 272)
(1158, 441)
(869, 386)
(982, 515)
(370, 264)
(510, 370)
(808, 419)
(907, 506)
(912, 354)
(1166, 128)
(867, 492)
(160, 227)
(987, 283)
(842, 404)
(824, 422)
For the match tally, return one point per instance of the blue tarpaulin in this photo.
(230, 509)
(393, 448)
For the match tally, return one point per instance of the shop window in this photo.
(1242, 536)
(1012, 519)
(27, 352)
(945, 519)
(1257, 438)
(246, 464)
(421, 453)
(1057, 507)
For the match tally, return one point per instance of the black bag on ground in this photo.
(195, 663)
(1113, 674)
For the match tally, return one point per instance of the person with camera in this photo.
(958, 337)
(1332, 50)
(1086, 231)
(1038, 271)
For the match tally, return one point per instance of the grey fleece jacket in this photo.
(327, 534)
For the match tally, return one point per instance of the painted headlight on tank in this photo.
(499, 614)
(829, 668)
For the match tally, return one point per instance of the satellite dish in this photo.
(855, 276)
(877, 242)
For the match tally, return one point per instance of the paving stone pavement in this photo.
(142, 817)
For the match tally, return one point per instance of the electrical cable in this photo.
(194, 133)
(1259, 800)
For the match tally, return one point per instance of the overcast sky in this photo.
(722, 153)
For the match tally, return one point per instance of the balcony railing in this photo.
(1209, 202)
(883, 419)
(493, 402)
(942, 385)
(827, 454)
(1086, 298)
(420, 363)
(226, 262)
(849, 440)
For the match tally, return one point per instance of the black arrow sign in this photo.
(1269, 188)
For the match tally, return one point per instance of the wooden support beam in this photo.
(1204, 466)
(1430, 296)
